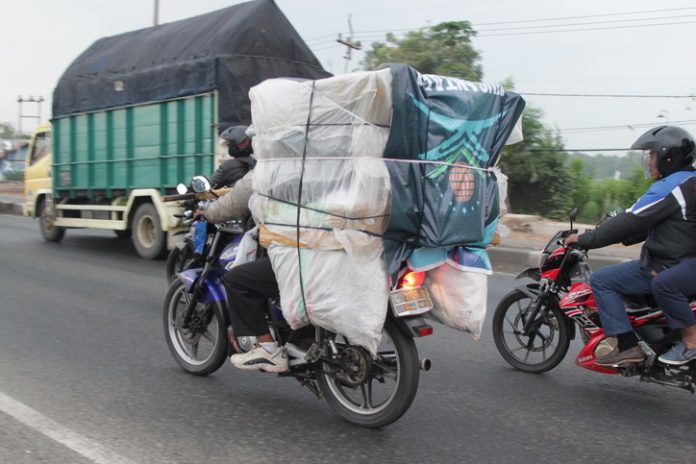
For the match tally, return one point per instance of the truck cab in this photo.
(37, 174)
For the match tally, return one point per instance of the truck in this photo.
(138, 113)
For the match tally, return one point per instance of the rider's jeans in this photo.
(609, 283)
(671, 289)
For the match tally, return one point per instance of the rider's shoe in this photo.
(619, 358)
(678, 355)
(259, 359)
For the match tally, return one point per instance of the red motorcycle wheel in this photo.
(547, 343)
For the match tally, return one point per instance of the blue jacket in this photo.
(665, 217)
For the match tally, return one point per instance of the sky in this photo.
(588, 47)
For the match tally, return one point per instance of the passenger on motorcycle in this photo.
(665, 218)
(240, 162)
(248, 285)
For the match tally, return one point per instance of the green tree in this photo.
(7, 132)
(442, 49)
(539, 180)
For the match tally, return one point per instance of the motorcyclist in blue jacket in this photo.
(665, 218)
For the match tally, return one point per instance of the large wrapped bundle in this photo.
(358, 172)
(321, 192)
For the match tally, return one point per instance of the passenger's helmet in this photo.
(673, 146)
(238, 142)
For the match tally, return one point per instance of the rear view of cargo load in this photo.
(360, 173)
(140, 112)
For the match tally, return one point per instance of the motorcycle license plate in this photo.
(409, 302)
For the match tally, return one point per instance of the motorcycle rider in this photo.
(248, 285)
(240, 162)
(665, 218)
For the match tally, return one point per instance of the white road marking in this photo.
(55, 431)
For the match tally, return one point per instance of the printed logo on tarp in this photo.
(431, 83)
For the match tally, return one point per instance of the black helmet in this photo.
(238, 141)
(673, 145)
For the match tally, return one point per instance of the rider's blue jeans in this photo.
(609, 283)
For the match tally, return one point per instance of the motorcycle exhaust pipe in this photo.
(425, 364)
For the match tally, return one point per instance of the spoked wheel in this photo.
(372, 393)
(200, 347)
(545, 345)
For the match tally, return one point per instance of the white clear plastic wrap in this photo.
(459, 297)
(320, 145)
(343, 292)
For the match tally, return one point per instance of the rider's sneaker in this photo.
(259, 359)
(678, 355)
(619, 358)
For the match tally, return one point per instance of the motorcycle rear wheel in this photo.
(396, 369)
(198, 353)
(517, 349)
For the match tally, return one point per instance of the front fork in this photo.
(545, 288)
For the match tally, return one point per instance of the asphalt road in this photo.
(85, 376)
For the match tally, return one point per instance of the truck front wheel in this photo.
(149, 239)
(47, 220)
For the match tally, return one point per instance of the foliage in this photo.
(7, 132)
(442, 49)
(607, 166)
(539, 181)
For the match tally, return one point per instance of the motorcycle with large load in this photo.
(375, 195)
(534, 323)
(366, 390)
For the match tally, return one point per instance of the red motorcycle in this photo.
(533, 324)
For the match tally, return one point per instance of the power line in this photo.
(562, 18)
(605, 95)
(586, 29)
(624, 126)
(518, 28)
(585, 16)
(546, 150)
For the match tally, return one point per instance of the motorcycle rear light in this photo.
(425, 331)
(412, 279)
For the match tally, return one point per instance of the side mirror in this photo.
(200, 184)
(181, 189)
(614, 211)
(573, 214)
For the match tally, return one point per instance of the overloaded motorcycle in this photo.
(366, 391)
(534, 323)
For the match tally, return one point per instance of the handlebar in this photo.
(209, 195)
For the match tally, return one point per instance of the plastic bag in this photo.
(247, 248)
(459, 297)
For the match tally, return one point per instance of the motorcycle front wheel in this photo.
(200, 347)
(178, 260)
(389, 385)
(547, 342)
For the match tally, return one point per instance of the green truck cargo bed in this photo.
(152, 145)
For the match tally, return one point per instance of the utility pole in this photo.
(350, 45)
(38, 100)
(156, 20)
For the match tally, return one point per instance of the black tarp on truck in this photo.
(228, 51)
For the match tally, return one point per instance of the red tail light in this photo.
(412, 279)
(425, 331)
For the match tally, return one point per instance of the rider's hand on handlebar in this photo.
(571, 240)
(199, 215)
